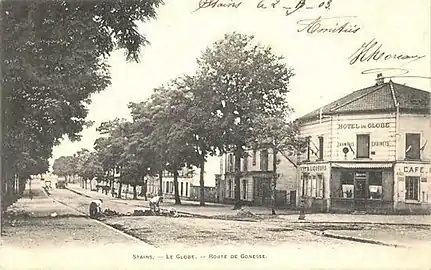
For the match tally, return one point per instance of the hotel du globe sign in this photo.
(368, 152)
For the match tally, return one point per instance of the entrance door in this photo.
(361, 190)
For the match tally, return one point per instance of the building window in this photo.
(245, 163)
(363, 145)
(254, 157)
(172, 187)
(244, 189)
(304, 183)
(319, 186)
(375, 187)
(347, 184)
(313, 186)
(230, 163)
(308, 141)
(187, 189)
(412, 188)
(181, 188)
(229, 188)
(264, 160)
(413, 146)
(320, 147)
(167, 187)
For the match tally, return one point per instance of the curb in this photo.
(364, 223)
(362, 240)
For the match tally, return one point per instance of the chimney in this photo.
(380, 79)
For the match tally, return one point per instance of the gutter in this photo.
(397, 119)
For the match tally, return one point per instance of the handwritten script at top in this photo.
(288, 6)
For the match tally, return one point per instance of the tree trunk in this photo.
(237, 204)
(135, 194)
(120, 187)
(145, 186)
(160, 183)
(127, 190)
(274, 179)
(201, 182)
(177, 194)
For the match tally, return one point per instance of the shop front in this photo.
(413, 189)
(362, 187)
(313, 185)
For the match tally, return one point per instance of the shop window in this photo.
(347, 185)
(412, 188)
(413, 146)
(264, 160)
(254, 157)
(319, 187)
(245, 163)
(244, 189)
(363, 145)
(320, 147)
(375, 187)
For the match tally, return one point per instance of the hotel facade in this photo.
(368, 152)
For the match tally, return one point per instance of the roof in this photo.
(377, 98)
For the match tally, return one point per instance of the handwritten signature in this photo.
(372, 51)
(334, 25)
(263, 5)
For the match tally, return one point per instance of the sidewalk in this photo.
(212, 209)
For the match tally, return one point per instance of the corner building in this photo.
(368, 152)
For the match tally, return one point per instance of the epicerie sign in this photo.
(359, 126)
(313, 168)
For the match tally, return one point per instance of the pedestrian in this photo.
(155, 203)
(96, 208)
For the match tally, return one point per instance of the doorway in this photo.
(361, 190)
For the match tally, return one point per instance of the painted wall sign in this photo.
(313, 168)
(380, 143)
(359, 126)
(342, 144)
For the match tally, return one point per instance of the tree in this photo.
(110, 148)
(278, 134)
(198, 124)
(54, 56)
(245, 80)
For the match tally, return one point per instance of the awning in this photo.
(362, 165)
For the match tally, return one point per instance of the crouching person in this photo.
(96, 208)
(155, 204)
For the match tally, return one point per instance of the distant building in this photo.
(369, 151)
(185, 180)
(256, 178)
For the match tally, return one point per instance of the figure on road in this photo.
(96, 208)
(155, 203)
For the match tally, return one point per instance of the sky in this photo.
(320, 60)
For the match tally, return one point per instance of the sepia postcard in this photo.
(215, 134)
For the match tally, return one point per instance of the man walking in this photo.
(96, 208)
(155, 204)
